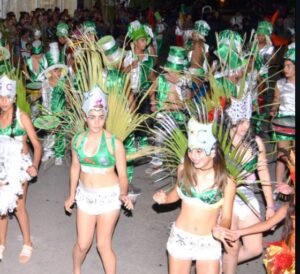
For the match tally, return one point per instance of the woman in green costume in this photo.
(205, 190)
(255, 160)
(16, 127)
(283, 106)
(98, 183)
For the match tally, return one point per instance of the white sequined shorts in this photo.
(95, 201)
(187, 246)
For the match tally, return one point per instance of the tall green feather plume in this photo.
(121, 120)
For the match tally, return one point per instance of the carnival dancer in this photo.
(198, 51)
(264, 43)
(95, 155)
(263, 62)
(229, 53)
(113, 78)
(179, 31)
(205, 190)
(170, 90)
(160, 28)
(88, 28)
(139, 63)
(280, 255)
(284, 106)
(36, 63)
(54, 101)
(33, 68)
(5, 64)
(17, 167)
(247, 213)
(62, 33)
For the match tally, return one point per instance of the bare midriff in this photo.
(91, 180)
(196, 220)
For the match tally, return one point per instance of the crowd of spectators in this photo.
(19, 31)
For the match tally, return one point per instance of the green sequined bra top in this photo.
(16, 130)
(211, 198)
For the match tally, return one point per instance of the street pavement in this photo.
(139, 240)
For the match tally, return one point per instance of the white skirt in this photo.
(13, 166)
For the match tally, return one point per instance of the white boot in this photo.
(47, 154)
(58, 161)
(2, 248)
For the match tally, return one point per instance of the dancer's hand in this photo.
(160, 197)
(69, 203)
(284, 188)
(32, 171)
(134, 64)
(126, 201)
(223, 235)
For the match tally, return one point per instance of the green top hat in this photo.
(157, 16)
(62, 29)
(137, 31)
(177, 59)
(232, 39)
(290, 55)
(111, 52)
(202, 28)
(264, 27)
(183, 8)
(229, 57)
(4, 52)
(37, 47)
(53, 59)
(89, 27)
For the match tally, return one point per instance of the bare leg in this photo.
(105, 228)
(252, 244)
(22, 216)
(230, 259)
(3, 229)
(131, 102)
(281, 160)
(208, 267)
(85, 232)
(177, 266)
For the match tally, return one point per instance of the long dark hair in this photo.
(13, 120)
(288, 224)
(219, 166)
